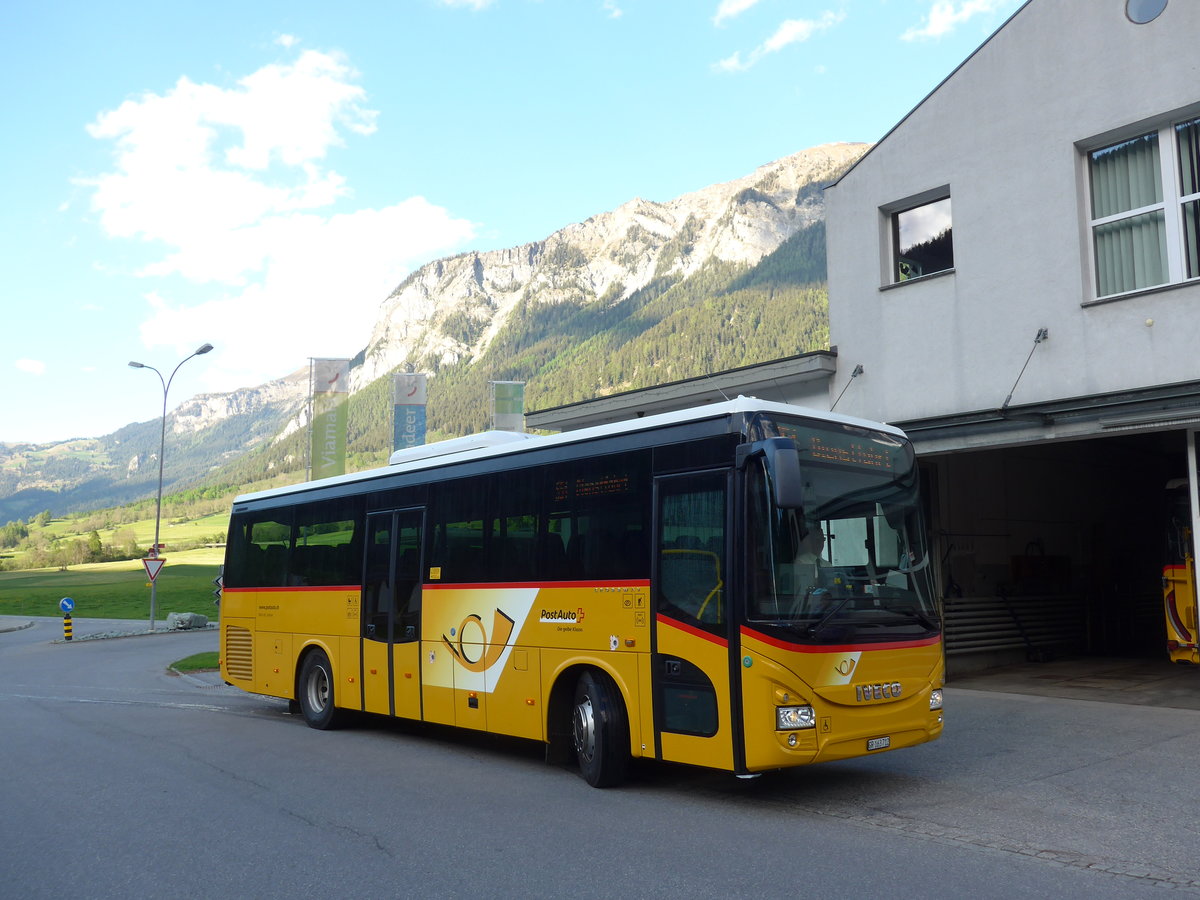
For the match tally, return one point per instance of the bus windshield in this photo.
(851, 564)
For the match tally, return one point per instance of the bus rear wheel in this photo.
(600, 730)
(315, 692)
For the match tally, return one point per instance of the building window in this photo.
(1146, 209)
(922, 242)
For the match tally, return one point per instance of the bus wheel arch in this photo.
(599, 729)
(315, 692)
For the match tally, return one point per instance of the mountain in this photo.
(92, 473)
(452, 309)
(647, 293)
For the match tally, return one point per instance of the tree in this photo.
(13, 533)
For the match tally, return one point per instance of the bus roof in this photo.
(500, 443)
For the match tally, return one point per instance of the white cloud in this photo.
(790, 32)
(31, 366)
(324, 279)
(287, 40)
(232, 184)
(181, 173)
(469, 4)
(946, 15)
(728, 9)
(614, 11)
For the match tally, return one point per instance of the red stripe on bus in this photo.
(838, 648)
(288, 590)
(500, 585)
(692, 630)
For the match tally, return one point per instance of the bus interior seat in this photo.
(554, 558)
(687, 578)
(274, 569)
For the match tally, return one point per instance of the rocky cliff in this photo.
(449, 311)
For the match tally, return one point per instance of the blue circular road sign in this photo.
(66, 604)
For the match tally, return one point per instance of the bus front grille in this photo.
(239, 653)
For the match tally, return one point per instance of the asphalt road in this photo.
(120, 779)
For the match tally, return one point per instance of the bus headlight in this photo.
(935, 699)
(792, 718)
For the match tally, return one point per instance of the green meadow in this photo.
(116, 590)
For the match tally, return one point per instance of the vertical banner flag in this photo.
(508, 405)
(330, 383)
(408, 404)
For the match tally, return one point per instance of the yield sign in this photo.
(153, 567)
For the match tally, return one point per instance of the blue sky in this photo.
(261, 175)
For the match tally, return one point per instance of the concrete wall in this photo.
(1008, 133)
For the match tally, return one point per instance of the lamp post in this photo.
(162, 446)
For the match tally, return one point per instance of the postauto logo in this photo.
(560, 616)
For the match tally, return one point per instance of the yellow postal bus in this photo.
(742, 586)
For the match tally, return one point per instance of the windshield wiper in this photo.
(914, 614)
(829, 614)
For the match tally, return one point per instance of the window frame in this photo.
(1172, 205)
(890, 224)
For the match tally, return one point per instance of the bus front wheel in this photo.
(600, 731)
(316, 691)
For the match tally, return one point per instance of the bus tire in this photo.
(600, 730)
(315, 692)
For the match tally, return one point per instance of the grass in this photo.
(178, 532)
(118, 590)
(197, 662)
(174, 531)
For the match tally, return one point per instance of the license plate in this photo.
(879, 743)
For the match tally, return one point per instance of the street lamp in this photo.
(162, 446)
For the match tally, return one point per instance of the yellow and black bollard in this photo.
(67, 627)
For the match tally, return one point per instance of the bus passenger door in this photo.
(391, 611)
(693, 707)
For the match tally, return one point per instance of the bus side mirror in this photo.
(783, 465)
(782, 460)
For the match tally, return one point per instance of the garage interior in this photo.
(1053, 550)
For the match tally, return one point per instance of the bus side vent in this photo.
(239, 653)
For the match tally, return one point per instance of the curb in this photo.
(191, 679)
(4, 629)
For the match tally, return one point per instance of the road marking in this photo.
(163, 704)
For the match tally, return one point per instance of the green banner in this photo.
(330, 382)
(508, 405)
(329, 435)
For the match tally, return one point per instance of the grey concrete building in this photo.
(1014, 267)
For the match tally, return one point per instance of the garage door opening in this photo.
(1054, 550)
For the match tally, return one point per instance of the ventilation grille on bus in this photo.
(239, 653)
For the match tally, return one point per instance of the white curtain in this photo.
(1189, 169)
(1131, 253)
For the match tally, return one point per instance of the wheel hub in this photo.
(585, 729)
(318, 689)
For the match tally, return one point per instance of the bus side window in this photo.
(691, 548)
(327, 548)
(458, 548)
(258, 545)
(597, 511)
